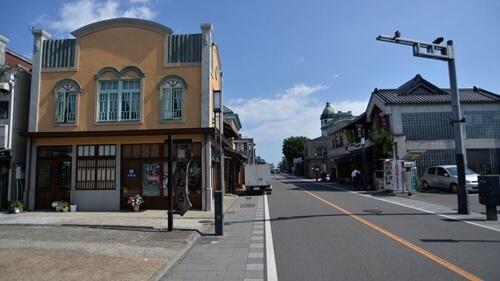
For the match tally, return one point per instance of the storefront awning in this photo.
(166, 132)
(233, 153)
(348, 158)
(412, 155)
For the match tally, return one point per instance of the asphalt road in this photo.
(323, 234)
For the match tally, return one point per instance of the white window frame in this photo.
(118, 94)
(63, 93)
(172, 91)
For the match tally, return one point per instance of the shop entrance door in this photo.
(53, 182)
(130, 181)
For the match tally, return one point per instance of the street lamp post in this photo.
(445, 53)
(219, 216)
(170, 203)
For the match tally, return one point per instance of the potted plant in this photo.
(135, 202)
(60, 206)
(64, 206)
(16, 206)
(55, 205)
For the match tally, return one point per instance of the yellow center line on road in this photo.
(467, 275)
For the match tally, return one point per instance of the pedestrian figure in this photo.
(356, 176)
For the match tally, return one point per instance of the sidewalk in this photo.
(156, 219)
(238, 255)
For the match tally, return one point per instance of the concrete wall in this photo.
(96, 200)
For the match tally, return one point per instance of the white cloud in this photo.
(76, 14)
(335, 76)
(139, 1)
(294, 112)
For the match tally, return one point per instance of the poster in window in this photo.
(151, 179)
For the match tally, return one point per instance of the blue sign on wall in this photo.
(130, 173)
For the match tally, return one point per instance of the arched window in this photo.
(119, 94)
(172, 97)
(66, 101)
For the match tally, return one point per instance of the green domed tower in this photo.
(327, 114)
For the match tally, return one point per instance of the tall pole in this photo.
(218, 194)
(458, 128)
(363, 157)
(221, 154)
(445, 53)
(170, 185)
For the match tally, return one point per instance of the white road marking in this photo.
(271, 272)
(413, 207)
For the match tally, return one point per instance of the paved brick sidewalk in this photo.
(238, 255)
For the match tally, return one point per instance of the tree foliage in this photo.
(260, 160)
(383, 140)
(293, 147)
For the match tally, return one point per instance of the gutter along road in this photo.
(322, 233)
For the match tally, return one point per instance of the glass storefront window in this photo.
(151, 179)
(54, 151)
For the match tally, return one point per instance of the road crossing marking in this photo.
(467, 275)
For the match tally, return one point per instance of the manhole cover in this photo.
(248, 205)
(230, 212)
(205, 221)
(248, 198)
(373, 211)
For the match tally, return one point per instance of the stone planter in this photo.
(65, 209)
(73, 207)
(17, 210)
(136, 208)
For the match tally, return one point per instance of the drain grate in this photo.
(247, 205)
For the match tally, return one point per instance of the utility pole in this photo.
(445, 53)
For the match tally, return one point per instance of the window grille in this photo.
(96, 167)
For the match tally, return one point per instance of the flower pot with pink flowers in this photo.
(135, 202)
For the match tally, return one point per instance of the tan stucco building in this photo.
(104, 103)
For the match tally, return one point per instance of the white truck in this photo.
(258, 178)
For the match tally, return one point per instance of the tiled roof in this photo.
(420, 91)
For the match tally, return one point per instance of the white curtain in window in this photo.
(61, 105)
(167, 103)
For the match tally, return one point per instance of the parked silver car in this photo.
(446, 177)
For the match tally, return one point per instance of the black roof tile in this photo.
(420, 91)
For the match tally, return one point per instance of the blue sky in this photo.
(282, 60)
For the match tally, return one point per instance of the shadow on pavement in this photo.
(366, 213)
(458, 241)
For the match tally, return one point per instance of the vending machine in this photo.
(410, 176)
(392, 175)
(400, 175)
